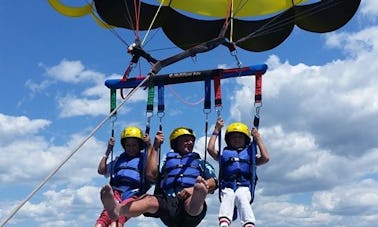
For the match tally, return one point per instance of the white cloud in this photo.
(350, 199)
(73, 72)
(20, 125)
(369, 8)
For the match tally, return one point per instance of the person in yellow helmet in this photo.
(181, 187)
(128, 180)
(237, 172)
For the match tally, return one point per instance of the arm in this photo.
(152, 160)
(211, 145)
(211, 181)
(102, 165)
(264, 152)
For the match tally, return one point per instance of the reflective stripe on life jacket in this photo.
(180, 171)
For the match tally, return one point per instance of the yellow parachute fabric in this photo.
(69, 10)
(78, 11)
(240, 8)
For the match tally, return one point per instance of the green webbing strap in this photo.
(150, 98)
(150, 105)
(113, 100)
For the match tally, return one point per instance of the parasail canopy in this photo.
(257, 25)
(253, 25)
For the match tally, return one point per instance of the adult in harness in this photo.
(181, 188)
(126, 171)
(237, 171)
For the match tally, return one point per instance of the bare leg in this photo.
(194, 204)
(110, 204)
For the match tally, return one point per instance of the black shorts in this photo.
(172, 212)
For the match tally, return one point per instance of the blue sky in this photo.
(319, 118)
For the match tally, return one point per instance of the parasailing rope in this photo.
(74, 151)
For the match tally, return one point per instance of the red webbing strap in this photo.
(258, 99)
(258, 87)
(217, 92)
(137, 5)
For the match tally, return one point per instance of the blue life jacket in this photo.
(238, 168)
(128, 177)
(235, 167)
(180, 171)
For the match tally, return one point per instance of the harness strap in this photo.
(256, 122)
(161, 105)
(258, 99)
(206, 110)
(207, 102)
(217, 91)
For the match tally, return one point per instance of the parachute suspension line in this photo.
(234, 52)
(152, 22)
(240, 6)
(128, 17)
(47, 178)
(230, 45)
(137, 5)
(275, 24)
(206, 111)
(268, 25)
(222, 32)
(327, 5)
(232, 21)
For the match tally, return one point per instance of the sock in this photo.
(224, 222)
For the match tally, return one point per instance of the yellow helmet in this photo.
(180, 132)
(238, 127)
(133, 132)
